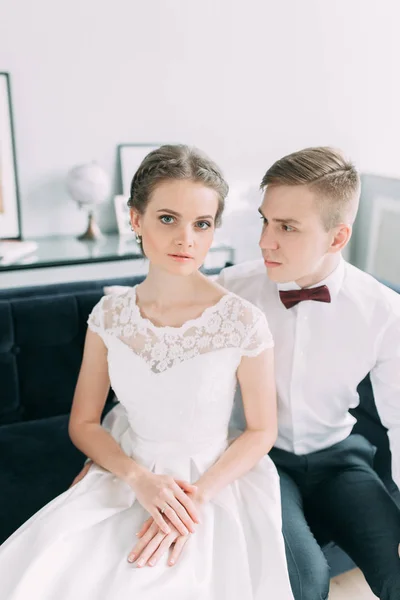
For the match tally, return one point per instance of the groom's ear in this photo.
(340, 237)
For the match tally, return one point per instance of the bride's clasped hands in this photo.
(153, 542)
(168, 501)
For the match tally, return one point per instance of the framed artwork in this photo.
(122, 215)
(130, 157)
(10, 217)
(383, 254)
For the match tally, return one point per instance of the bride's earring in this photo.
(138, 237)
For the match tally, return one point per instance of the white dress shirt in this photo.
(324, 350)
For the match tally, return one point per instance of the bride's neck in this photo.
(163, 289)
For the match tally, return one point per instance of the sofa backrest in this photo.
(41, 343)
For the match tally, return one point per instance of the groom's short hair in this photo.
(328, 173)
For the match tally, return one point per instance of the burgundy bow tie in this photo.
(293, 297)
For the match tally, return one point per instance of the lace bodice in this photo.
(178, 383)
(230, 323)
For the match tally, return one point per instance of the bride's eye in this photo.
(203, 225)
(164, 219)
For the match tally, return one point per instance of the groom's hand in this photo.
(82, 473)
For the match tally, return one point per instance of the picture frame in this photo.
(122, 214)
(383, 254)
(10, 211)
(130, 156)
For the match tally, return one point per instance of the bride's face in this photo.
(178, 225)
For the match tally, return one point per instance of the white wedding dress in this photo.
(177, 387)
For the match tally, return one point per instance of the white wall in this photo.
(245, 81)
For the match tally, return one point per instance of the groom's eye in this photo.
(287, 228)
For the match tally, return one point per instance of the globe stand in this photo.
(92, 232)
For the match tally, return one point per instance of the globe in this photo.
(89, 186)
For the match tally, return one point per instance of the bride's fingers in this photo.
(186, 487)
(142, 543)
(175, 520)
(189, 506)
(146, 525)
(162, 549)
(177, 550)
(150, 549)
(158, 518)
(183, 515)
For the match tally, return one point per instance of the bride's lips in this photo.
(181, 257)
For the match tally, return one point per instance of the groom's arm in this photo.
(385, 379)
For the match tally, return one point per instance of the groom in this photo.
(332, 325)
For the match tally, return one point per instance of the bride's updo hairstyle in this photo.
(172, 162)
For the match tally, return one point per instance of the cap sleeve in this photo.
(96, 318)
(259, 336)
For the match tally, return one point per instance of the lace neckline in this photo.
(169, 328)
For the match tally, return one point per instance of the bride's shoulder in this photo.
(113, 307)
(243, 324)
(244, 308)
(117, 296)
(114, 299)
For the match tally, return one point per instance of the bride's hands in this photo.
(163, 496)
(153, 542)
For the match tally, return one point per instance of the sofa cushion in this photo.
(41, 344)
(49, 335)
(369, 425)
(9, 391)
(38, 462)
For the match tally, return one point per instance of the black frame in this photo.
(120, 183)
(14, 154)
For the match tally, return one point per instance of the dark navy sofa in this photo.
(42, 333)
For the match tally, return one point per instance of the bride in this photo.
(174, 349)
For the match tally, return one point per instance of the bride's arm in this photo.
(154, 492)
(257, 383)
(115, 422)
(90, 396)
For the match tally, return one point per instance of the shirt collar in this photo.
(333, 281)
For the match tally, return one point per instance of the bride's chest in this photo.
(173, 360)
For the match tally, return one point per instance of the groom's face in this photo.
(294, 241)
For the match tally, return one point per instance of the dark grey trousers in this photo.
(337, 491)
